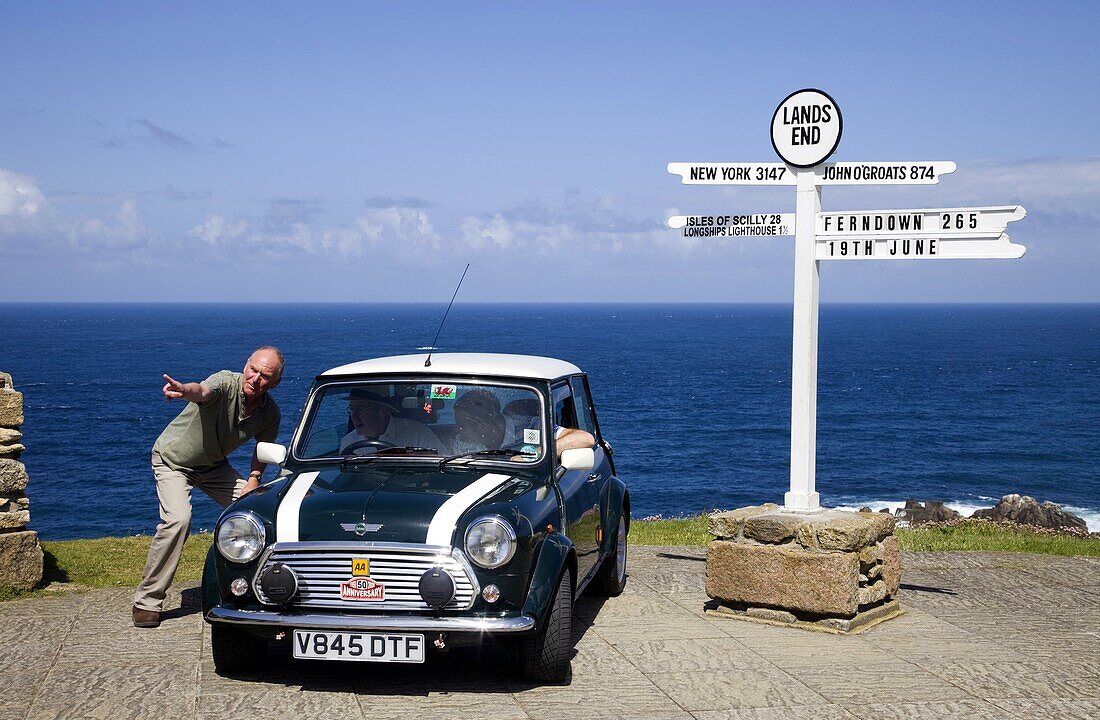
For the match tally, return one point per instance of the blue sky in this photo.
(367, 151)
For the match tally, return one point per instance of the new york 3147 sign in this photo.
(805, 132)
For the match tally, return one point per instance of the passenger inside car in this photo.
(479, 424)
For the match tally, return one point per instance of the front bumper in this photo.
(407, 623)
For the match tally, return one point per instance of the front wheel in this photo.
(610, 579)
(234, 650)
(545, 655)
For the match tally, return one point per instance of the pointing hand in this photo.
(173, 389)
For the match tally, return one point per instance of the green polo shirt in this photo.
(203, 435)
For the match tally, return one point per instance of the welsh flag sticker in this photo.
(443, 392)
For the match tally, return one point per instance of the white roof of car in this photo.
(518, 366)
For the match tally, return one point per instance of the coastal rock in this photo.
(728, 524)
(9, 436)
(1028, 511)
(13, 476)
(20, 560)
(819, 583)
(916, 513)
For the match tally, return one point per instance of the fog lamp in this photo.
(279, 583)
(491, 593)
(239, 586)
(437, 587)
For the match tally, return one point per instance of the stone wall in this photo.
(834, 569)
(20, 553)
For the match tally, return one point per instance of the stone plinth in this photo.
(20, 554)
(831, 569)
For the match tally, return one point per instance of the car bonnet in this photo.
(414, 505)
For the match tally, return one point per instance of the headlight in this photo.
(490, 542)
(240, 537)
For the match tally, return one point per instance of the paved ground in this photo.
(984, 636)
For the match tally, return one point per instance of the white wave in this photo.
(1091, 516)
(427, 347)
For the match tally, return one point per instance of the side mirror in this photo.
(578, 459)
(270, 453)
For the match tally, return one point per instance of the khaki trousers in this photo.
(223, 484)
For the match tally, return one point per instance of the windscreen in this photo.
(428, 419)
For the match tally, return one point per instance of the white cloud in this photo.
(122, 230)
(19, 195)
(402, 230)
(603, 224)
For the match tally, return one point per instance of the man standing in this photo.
(223, 412)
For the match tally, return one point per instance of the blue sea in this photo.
(960, 403)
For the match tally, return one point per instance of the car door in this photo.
(602, 468)
(579, 489)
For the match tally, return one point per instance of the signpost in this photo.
(805, 131)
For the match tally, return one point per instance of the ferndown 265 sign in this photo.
(805, 132)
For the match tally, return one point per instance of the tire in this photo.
(234, 650)
(610, 579)
(545, 655)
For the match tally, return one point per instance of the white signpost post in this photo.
(805, 131)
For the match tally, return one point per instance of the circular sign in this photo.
(806, 128)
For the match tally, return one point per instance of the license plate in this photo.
(365, 647)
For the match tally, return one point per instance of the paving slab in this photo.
(984, 636)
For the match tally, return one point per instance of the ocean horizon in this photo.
(957, 402)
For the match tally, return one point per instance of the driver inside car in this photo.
(375, 425)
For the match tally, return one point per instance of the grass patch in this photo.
(958, 535)
(984, 535)
(106, 562)
(679, 531)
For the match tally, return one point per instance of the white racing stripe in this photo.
(286, 518)
(446, 517)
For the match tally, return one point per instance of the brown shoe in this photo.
(146, 618)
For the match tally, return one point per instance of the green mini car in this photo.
(425, 502)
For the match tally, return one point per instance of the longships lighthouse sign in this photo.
(805, 131)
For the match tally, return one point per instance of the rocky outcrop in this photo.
(916, 513)
(20, 554)
(1029, 511)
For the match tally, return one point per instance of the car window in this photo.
(565, 413)
(584, 411)
(450, 418)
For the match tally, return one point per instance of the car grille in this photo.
(321, 567)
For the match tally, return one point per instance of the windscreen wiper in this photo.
(471, 456)
(356, 459)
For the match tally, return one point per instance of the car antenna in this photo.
(428, 360)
